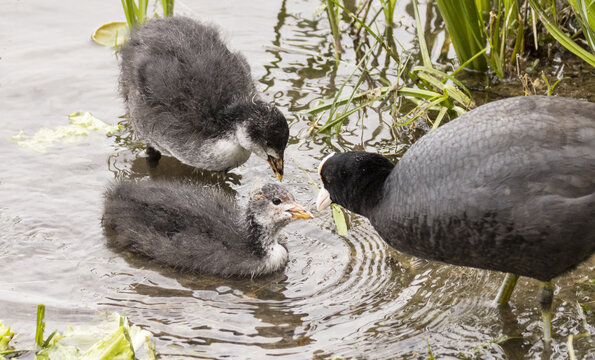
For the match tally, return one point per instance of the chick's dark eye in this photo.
(276, 201)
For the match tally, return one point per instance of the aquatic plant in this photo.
(332, 12)
(135, 13)
(500, 26)
(116, 32)
(586, 17)
(585, 11)
(427, 88)
(465, 25)
(474, 24)
(81, 124)
(113, 338)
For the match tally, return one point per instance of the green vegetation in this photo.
(135, 13)
(339, 218)
(113, 338)
(465, 25)
(585, 13)
(116, 32)
(111, 34)
(429, 92)
(473, 24)
(487, 35)
(81, 124)
(565, 39)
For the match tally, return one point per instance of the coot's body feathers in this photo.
(509, 186)
(188, 95)
(197, 229)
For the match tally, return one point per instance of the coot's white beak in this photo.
(324, 197)
(323, 200)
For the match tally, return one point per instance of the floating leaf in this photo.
(111, 34)
(339, 218)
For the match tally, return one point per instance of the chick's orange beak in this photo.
(277, 166)
(298, 212)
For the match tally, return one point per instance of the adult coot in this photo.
(509, 186)
(189, 96)
(198, 229)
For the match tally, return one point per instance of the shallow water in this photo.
(346, 296)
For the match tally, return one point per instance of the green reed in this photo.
(168, 7)
(586, 17)
(136, 11)
(498, 24)
(466, 28)
(424, 87)
(585, 12)
(332, 12)
(388, 7)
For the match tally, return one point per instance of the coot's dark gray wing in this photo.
(514, 178)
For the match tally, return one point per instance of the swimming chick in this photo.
(201, 230)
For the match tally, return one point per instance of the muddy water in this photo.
(346, 296)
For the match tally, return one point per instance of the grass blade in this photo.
(168, 7)
(466, 29)
(560, 36)
(40, 325)
(423, 47)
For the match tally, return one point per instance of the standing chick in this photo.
(190, 97)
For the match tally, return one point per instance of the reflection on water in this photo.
(339, 296)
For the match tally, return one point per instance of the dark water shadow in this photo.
(129, 161)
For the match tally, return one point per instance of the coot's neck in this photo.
(372, 193)
(260, 238)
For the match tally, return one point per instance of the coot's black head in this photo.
(264, 132)
(273, 206)
(353, 180)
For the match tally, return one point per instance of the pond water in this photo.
(346, 296)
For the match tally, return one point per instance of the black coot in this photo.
(509, 186)
(199, 229)
(189, 96)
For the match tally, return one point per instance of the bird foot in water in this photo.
(153, 155)
(546, 297)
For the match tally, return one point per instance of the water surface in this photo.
(346, 296)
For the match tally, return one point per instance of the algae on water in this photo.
(81, 124)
